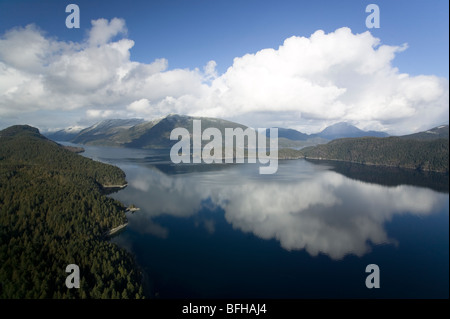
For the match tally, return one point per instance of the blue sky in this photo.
(189, 34)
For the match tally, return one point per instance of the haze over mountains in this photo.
(156, 134)
(338, 130)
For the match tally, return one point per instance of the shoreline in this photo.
(114, 230)
(115, 186)
(290, 158)
(372, 164)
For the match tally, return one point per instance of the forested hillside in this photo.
(53, 213)
(427, 155)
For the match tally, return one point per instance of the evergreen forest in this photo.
(54, 212)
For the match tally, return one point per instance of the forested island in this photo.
(54, 212)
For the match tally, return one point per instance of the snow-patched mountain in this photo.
(431, 134)
(105, 132)
(138, 133)
(64, 135)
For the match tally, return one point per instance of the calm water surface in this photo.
(308, 231)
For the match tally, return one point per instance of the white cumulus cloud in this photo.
(305, 83)
(102, 31)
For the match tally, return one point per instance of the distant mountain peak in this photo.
(344, 129)
(340, 126)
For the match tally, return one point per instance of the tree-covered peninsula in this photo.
(425, 155)
(54, 212)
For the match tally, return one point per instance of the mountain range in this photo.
(427, 150)
(138, 133)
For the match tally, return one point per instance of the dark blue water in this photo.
(309, 231)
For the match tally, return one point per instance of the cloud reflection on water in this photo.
(320, 212)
